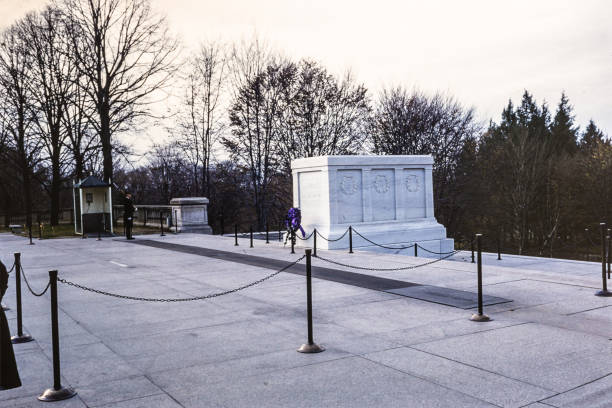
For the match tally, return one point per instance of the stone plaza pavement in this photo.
(550, 346)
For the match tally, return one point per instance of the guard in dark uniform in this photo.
(9, 376)
(128, 215)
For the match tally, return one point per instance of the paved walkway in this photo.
(429, 293)
(550, 346)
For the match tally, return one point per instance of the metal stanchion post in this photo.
(609, 248)
(30, 230)
(480, 317)
(498, 248)
(176, 221)
(609, 257)
(586, 255)
(314, 242)
(309, 347)
(472, 248)
(292, 241)
(57, 393)
(251, 234)
(604, 283)
(20, 337)
(350, 239)
(161, 224)
(267, 233)
(235, 234)
(416, 249)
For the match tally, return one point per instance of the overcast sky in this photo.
(481, 51)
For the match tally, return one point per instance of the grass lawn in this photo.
(67, 231)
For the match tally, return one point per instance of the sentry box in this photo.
(92, 200)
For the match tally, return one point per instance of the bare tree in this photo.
(414, 123)
(200, 117)
(15, 108)
(167, 170)
(124, 55)
(80, 139)
(321, 114)
(52, 72)
(10, 190)
(259, 82)
(522, 188)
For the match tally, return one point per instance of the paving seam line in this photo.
(459, 335)
(587, 310)
(572, 389)
(484, 369)
(429, 380)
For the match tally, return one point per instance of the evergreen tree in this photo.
(563, 131)
(592, 135)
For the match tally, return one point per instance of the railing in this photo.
(146, 215)
(65, 216)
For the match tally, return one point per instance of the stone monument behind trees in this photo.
(387, 199)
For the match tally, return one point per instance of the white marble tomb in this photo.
(191, 214)
(387, 199)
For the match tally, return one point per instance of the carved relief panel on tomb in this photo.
(382, 194)
(413, 182)
(349, 196)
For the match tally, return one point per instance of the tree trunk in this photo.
(27, 192)
(25, 168)
(78, 166)
(7, 205)
(105, 140)
(56, 182)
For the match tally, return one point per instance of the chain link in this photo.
(305, 238)
(212, 295)
(436, 253)
(384, 269)
(25, 278)
(333, 240)
(380, 245)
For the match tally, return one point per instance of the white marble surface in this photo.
(239, 350)
(388, 199)
(190, 214)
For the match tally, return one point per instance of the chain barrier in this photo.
(248, 235)
(379, 245)
(25, 278)
(306, 238)
(436, 253)
(364, 268)
(333, 240)
(534, 252)
(12, 267)
(209, 296)
(566, 245)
